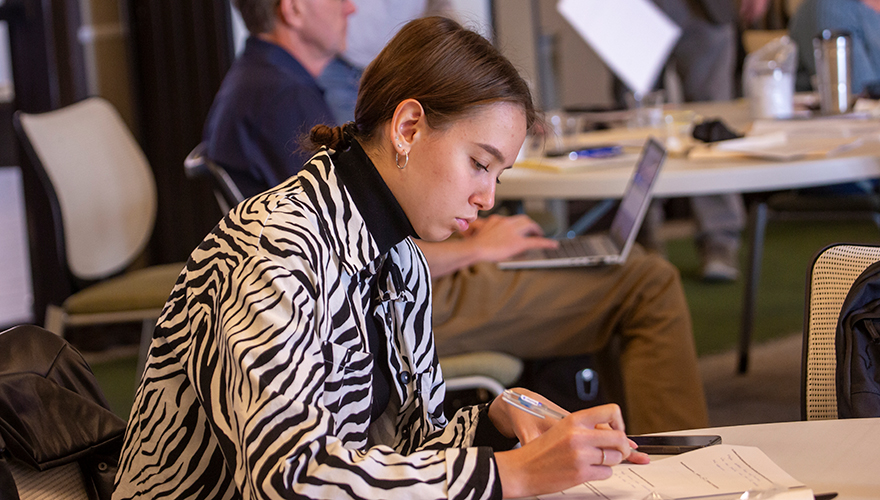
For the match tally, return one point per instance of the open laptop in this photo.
(611, 247)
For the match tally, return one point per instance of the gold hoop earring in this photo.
(405, 161)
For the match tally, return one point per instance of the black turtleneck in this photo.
(388, 225)
(384, 217)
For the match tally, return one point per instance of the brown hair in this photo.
(258, 15)
(449, 69)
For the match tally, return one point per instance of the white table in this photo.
(840, 456)
(685, 177)
(682, 177)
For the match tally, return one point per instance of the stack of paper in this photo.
(711, 471)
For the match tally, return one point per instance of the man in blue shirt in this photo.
(269, 97)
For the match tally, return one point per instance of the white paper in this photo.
(791, 147)
(633, 37)
(714, 470)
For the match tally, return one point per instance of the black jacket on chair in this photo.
(52, 411)
(857, 346)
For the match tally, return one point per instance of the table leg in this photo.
(757, 226)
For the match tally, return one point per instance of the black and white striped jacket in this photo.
(259, 380)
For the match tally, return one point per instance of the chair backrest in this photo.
(830, 278)
(64, 482)
(99, 181)
(198, 165)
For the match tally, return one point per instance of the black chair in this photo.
(198, 166)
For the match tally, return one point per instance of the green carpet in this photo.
(788, 252)
(715, 308)
(117, 380)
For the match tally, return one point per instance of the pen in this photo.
(529, 405)
(590, 152)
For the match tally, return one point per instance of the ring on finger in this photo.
(603, 458)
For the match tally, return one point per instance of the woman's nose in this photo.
(484, 199)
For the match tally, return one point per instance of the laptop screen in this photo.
(637, 196)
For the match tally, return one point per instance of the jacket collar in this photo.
(360, 216)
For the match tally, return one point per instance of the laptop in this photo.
(611, 247)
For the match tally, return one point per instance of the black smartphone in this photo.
(673, 445)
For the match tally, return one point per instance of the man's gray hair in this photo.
(258, 15)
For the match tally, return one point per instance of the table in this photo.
(683, 177)
(827, 455)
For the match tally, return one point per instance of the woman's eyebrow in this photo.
(492, 150)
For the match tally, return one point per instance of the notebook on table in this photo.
(614, 245)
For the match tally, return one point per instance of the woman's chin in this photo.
(436, 235)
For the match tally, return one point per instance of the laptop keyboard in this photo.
(578, 247)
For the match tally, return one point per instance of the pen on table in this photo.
(529, 405)
(592, 152)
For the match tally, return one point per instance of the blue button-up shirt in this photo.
(264, 107)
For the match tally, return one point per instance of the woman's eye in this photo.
(480, 166)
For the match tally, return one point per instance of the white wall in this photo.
(5, 63)
(16, 298)
(581, 79)
(239, 30)
(476, 14)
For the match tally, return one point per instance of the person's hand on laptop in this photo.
(498, 238)
(490, 239)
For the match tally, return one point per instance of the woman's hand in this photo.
(513, 422)
(581, 447)
(498, 238)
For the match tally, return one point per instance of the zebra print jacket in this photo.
(259, 380)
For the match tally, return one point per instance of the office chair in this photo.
(489, 370)
(197, 165)
(102, 196)
(830, 277)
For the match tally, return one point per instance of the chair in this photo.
(102, 197)
(197, 165)
(832, 273)
(489, 370)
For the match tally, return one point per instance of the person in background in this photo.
(860, 18)
(270, 97)
(577, 311)
(295, 355)
(705, 60)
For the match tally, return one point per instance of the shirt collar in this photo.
(383, 215)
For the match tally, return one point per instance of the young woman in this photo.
(295, 358)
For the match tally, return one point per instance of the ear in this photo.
(408, 125)
(289, 12)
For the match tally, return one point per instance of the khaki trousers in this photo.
(575, 311)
